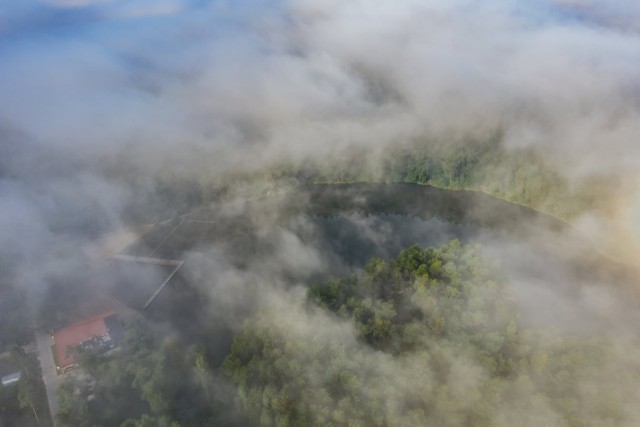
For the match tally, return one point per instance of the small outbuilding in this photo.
(13, 378)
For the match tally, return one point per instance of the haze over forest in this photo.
(382, 213)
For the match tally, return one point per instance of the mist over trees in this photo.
(145, 383)
(520, 175)
(16, 324)
(442, 346)
(385, 213)
(432, 336)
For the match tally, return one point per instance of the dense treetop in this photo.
(431, 337)
(435, 341)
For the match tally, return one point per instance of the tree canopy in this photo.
(431, 337)
(143, 383)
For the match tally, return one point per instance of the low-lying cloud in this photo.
(101, 100)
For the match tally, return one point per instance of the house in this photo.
(101, 332)
(11, 378)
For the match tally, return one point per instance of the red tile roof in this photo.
(75, 333)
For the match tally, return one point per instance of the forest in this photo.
(524, 176)
(430, 337)
(437, 341)
(319, 213)
(146, 382)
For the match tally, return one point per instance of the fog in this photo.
(113, 111)
(193, 90)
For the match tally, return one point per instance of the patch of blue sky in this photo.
(90, 18)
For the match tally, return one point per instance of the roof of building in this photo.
(76, 333)
(11, 378)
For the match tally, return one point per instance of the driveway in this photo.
(49, 374)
